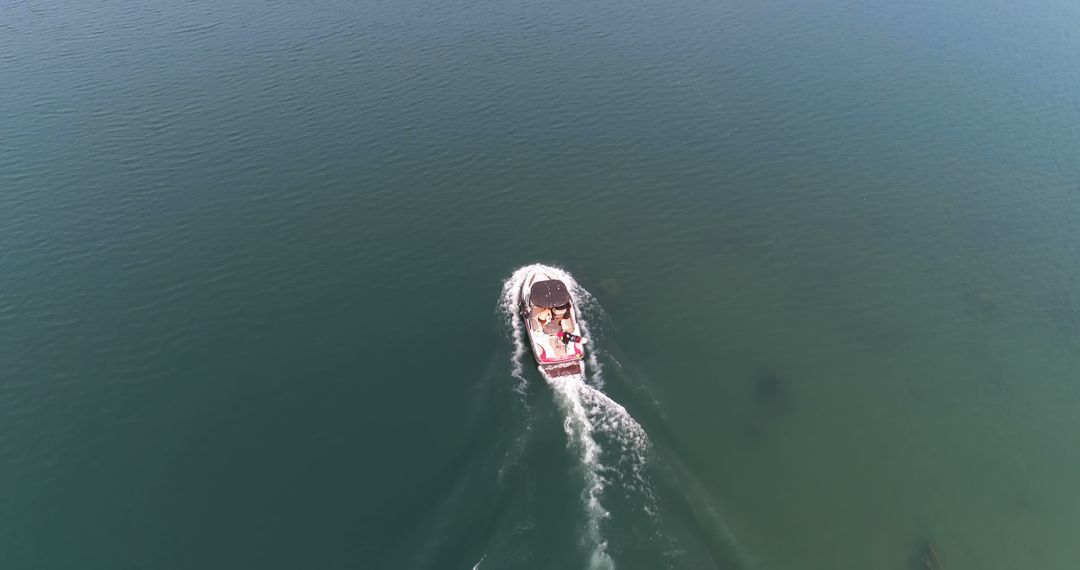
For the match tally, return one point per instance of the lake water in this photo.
(252, 261)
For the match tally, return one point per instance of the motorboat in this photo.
(551, 323)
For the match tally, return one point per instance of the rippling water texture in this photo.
(252, 257)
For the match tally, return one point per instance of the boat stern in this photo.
(564, 369)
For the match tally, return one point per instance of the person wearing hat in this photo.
(562, 312)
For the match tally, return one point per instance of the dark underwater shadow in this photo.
(925, 555)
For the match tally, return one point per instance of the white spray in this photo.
(509, 303)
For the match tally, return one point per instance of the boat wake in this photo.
(589, 416)
(508, 304)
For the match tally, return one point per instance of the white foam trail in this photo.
(587, 411)
(632, 445)
(477, 565)
(579, 430)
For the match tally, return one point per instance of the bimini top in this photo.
(550, 293)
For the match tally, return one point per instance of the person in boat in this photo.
(543, 318)
(562, 316)
(566, 325)
(548, 323)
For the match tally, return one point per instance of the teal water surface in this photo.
(253, 259)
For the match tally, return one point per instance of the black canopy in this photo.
(550, 293)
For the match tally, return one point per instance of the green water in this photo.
(252, 256)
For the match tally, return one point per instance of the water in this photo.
(255, 258)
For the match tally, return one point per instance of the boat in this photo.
(551, 323)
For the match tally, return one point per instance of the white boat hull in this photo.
(555, 356)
